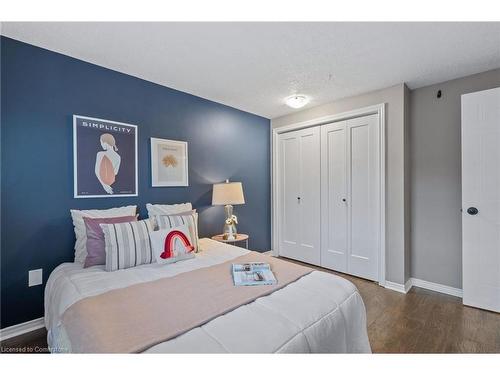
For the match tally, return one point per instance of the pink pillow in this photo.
(96, 253)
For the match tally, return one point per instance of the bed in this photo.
(317, 313)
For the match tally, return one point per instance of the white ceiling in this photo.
(253, 66)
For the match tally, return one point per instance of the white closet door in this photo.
(289, 185)
(481, 199)
(334, 197)
(363, 201)
(299, 236)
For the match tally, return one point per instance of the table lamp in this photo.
(227, 194)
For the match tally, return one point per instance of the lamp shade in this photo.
(228, 193)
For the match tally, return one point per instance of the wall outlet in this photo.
(35, 277)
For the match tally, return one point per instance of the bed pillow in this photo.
(96, 247)
(128, 244)
(173, 244)
(190, 219)
(80, 230)
(167, 209)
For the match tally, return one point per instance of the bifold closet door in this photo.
(299, 184)
(334, 197)
(350, 196)
(363, 185)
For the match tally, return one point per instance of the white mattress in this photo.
(318, 313)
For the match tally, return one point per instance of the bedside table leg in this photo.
(247, 243)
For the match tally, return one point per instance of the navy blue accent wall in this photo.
(41, 90)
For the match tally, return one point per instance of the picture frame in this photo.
(105, 160)
(169, 163)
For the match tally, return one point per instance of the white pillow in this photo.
(79, 224)
(167, 209)
(172, 244)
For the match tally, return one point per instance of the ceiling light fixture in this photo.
(296, 101)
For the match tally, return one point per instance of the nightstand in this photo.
(239, 238)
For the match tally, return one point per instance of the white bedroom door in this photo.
(481, 199)
(299, 184)
(350, 196)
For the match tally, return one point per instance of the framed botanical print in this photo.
(169, 163)
(104, 158)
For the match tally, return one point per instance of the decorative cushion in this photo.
(96, 246)
(81, 232)
(128, 244)
(173, 244)
(190, 219)
(167, 209)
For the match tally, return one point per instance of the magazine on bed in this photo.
(246, 274)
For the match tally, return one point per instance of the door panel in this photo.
(289, 191)
(333, 197)
(300, 195)
(481, 190)
(363, 181)
(309, 202)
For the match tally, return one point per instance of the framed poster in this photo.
(104, 158)
(169, 163)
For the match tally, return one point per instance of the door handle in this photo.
(298, 199)
(472, 211)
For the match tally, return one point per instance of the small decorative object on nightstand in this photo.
(238, 238)
(227, 194)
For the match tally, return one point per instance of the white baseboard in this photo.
(437, 287)
(408, 285)
(21, 329)
(425, 285)
(396, 287)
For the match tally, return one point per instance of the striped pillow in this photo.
(128, 244)
(190, 219)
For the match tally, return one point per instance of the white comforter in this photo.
(320, 312)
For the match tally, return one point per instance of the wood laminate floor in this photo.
(418, 322)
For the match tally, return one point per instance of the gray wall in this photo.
(436, 241)
(395, 161)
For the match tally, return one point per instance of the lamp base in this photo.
(229, 232)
